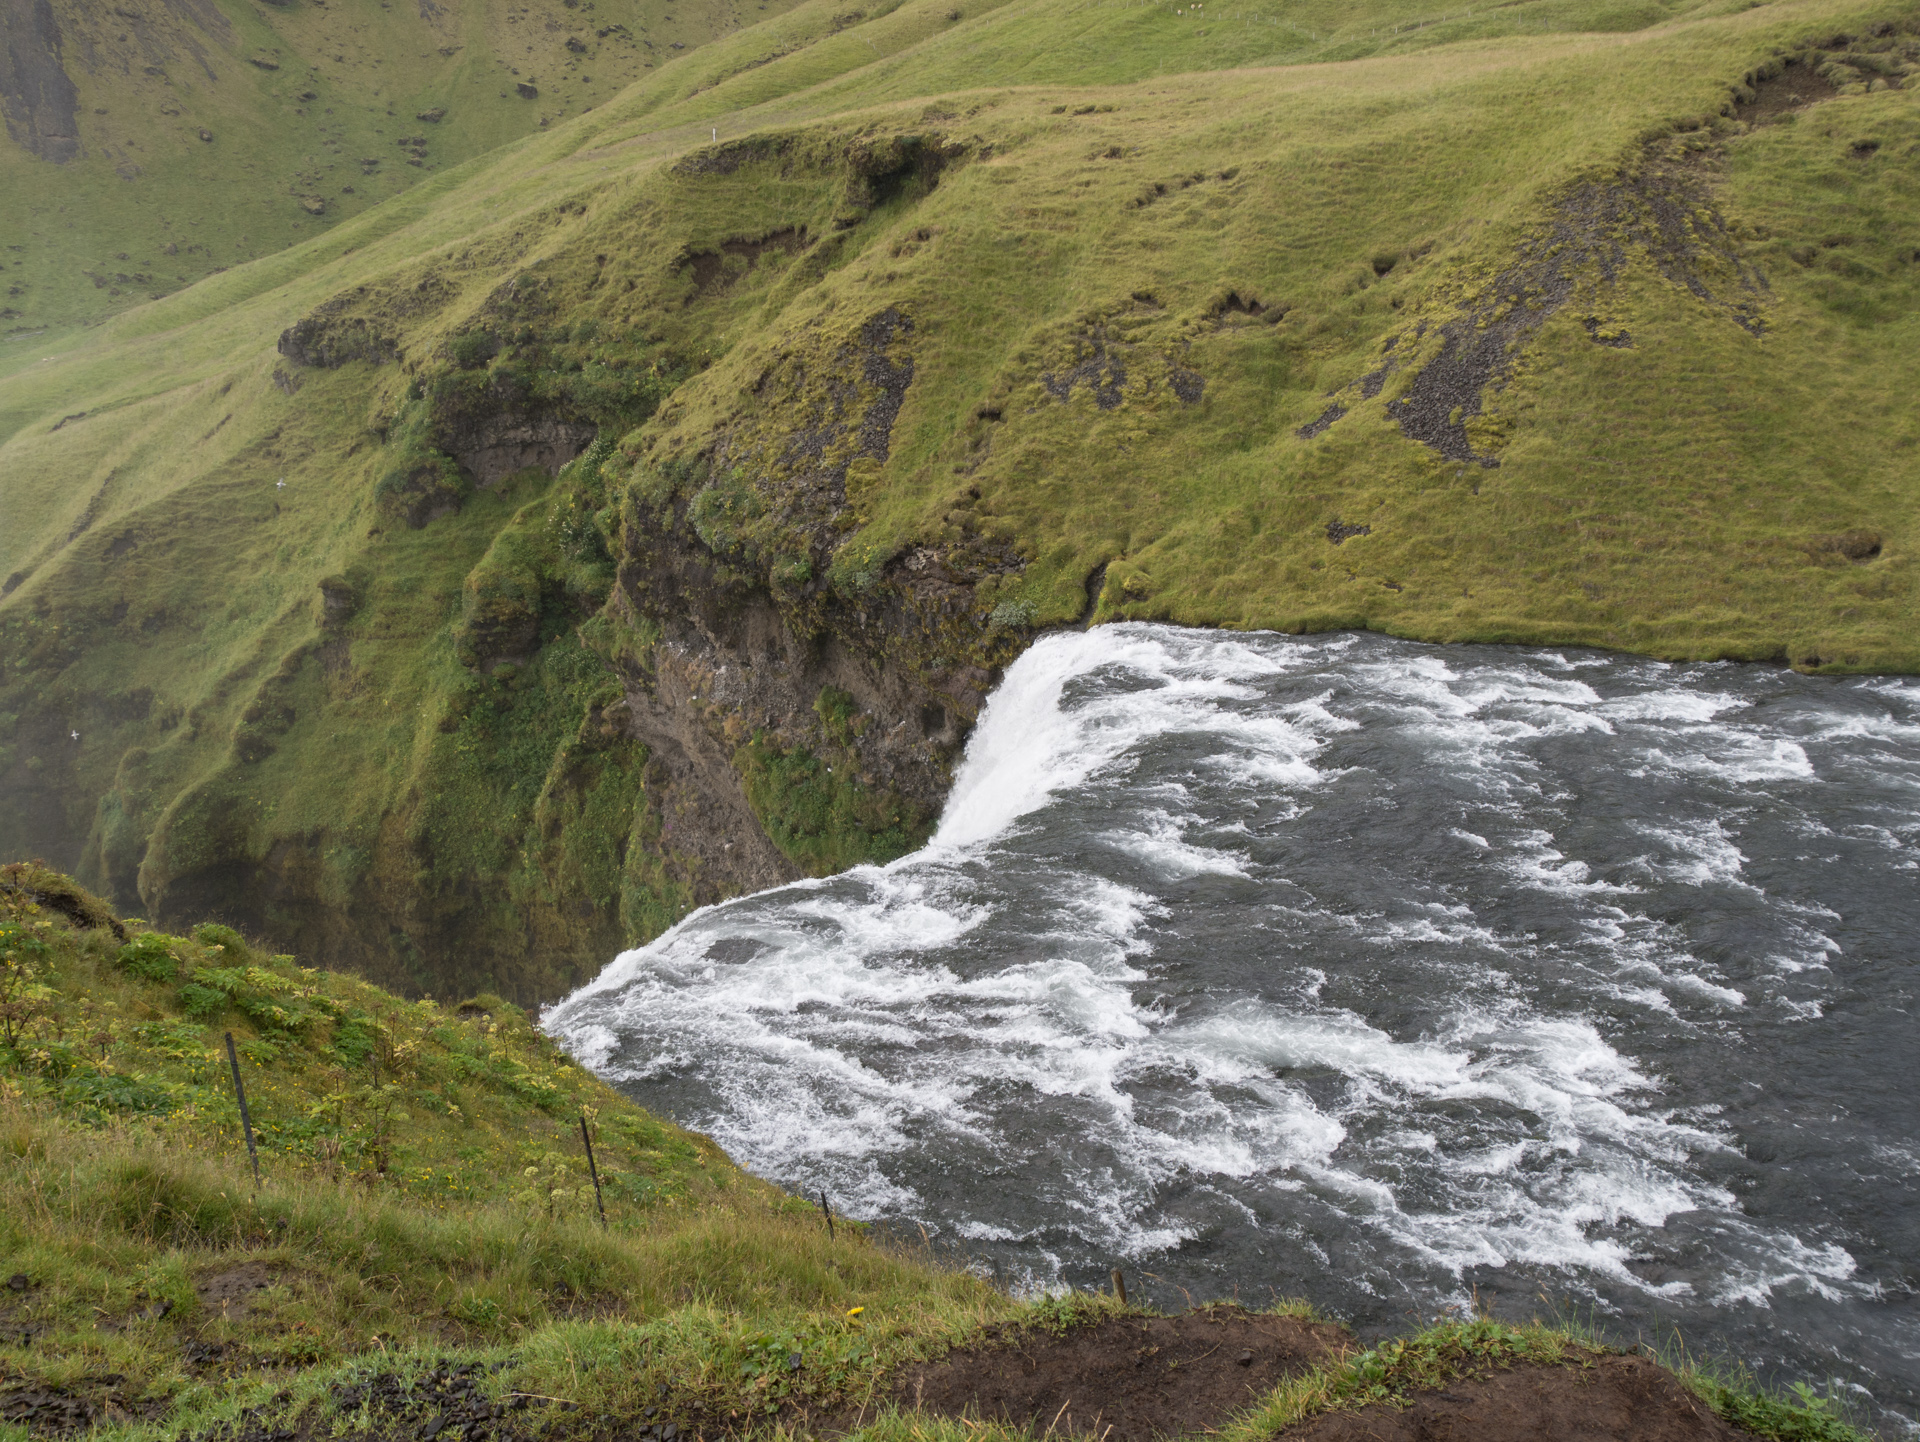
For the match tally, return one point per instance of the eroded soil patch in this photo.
(229, 1293)
(709, 268)
(1794, 88)
(73, 1410)
(1662, 214)
(1616, 1398)
(1125, 1379)
(53, 1411)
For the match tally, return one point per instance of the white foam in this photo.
(1789, 1263)
(1737, 757)
(1161, 843)
(1544, 867)
(1704, 853)
(1692, 706)
(1027, 748)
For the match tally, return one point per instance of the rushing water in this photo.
(1372, 972)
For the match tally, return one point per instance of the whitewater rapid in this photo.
(1383, 974)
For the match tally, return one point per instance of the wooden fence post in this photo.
(246, 1122)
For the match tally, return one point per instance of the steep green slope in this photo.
(1466, 326)
(154, 141)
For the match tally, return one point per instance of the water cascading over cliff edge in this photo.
(1384, 974)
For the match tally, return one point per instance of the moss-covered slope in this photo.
(640, 514)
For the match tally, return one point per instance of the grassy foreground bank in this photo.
(425, 1228)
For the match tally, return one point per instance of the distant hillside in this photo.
(640, 513)
(150, 142)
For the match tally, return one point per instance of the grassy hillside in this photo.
(424, 1187)
(152, 142)
(423, 1251)
(897, 335)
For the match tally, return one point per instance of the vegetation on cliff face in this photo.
(423, 1250)
(469, 591)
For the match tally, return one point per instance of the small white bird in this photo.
(74, 734)
(281, 484)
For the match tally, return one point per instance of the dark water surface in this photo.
(1366, 971)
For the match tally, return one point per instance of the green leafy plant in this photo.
(150, 956)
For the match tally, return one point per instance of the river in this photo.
(1388, 975)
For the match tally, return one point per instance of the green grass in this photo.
(1091, 386)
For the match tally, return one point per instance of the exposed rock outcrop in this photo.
(37, 97)
(493, 447)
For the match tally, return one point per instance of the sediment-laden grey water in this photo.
(1372, 972)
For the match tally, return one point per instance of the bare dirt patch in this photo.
(1124, 1379)
(1615, 1399)
(1100, 369)
(82, 910)
(1320, 422)
(1794, 88)
(1855, 545)
(229, 1292)
(50, 1410)
(74, 1409)
(711, 272)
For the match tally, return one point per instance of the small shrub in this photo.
(177, 1041)
(96, 1095)
(838, 715)
(723, 511)
(202, 1003)
(1012, 613)
(576, 525)
(473, 349)
(857, 567)
(1803, 1415)
(211, 934)
(150, 956)
(353, 1040)
(20, 946)
(225, 979)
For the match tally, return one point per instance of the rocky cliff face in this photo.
(773, 643)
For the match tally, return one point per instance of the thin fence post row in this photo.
(246, 1121)
(593, 1170)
